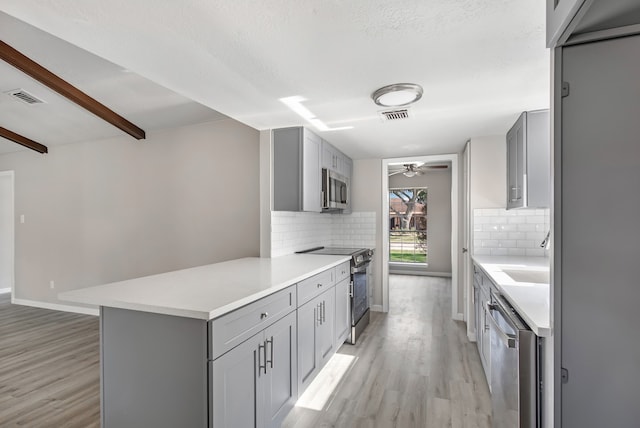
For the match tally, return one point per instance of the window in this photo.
(408, 225)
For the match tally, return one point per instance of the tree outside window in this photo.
(408, 225)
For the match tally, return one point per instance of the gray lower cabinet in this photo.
(482, 287)
(255, 384)
(243, 369)
(316, 341)
(343, 311)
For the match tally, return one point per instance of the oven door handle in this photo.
(509, 340)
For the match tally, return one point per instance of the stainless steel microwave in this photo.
(335, 190)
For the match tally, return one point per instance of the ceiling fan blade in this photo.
(436, 166)
(395, 172)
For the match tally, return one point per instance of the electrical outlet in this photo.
(52, 284)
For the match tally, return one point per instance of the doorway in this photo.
(390, 166)
(6, 232)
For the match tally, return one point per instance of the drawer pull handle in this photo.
(264, 315)
(319, 285)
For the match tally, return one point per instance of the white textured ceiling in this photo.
(58, 120)
(481, 62)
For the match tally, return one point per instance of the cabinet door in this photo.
(486, 338)
(311, 186)
(308, 362)
(326, 329)
(235, 401)
(327, 155)
(343, 311)
(280, 383)
(515, 163)
(348, 172)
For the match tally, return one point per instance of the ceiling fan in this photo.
(413, 169)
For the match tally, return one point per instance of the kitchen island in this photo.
(213, 345)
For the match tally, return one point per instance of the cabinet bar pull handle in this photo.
(269, 342)
(262, 348)
(316, 310)
(264, 315)
(324, 312)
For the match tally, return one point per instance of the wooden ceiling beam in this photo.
(67, 90)
(23, 141)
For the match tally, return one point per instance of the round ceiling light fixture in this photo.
(397, 95)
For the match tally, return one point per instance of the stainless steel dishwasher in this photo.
(514, 368)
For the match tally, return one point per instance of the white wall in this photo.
(438, 184)
(488, 171)
(366, 186)
(6, 230)
(114, 209)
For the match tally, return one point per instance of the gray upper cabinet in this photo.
(334, 160)
(296, 170)
(529, 161)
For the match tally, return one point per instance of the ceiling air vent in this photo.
(24, 96)
(398, 114)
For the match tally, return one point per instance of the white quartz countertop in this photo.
(528, 296)
(206, 292)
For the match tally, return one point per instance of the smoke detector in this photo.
(24, 96)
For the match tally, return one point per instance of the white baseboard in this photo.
(5, 290)
(376, 308)
(56, 307)
(416, 272)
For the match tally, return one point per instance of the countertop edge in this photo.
(540, 331)
(72, 295)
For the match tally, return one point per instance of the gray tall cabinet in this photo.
(596, 150)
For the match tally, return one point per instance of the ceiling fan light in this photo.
(397, 95)
(410, 173)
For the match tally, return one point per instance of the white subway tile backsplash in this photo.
(482, 235)
(517, 252)
(516, 220)
(517, 235)
(526, 227)
(524, 243)
(535, 252)
(499, 235)
(500, 232)
(291, 232)
(499, 252)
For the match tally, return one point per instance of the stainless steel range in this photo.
(360, 265)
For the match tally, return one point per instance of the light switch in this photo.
(21, 218)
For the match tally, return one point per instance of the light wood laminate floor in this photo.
(49, 368)
(413, 367)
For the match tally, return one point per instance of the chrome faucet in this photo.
(545, 242)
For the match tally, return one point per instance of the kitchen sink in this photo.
(522, 275)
